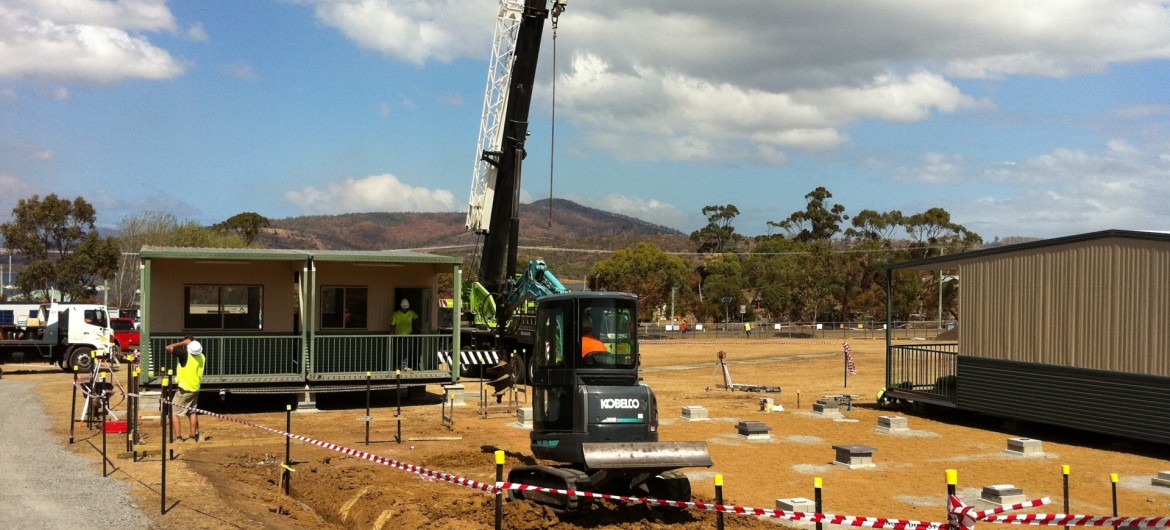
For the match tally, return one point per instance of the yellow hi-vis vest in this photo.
(191, 374)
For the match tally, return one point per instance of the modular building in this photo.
(1071, 331)
(295, 319)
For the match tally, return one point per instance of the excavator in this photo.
(593, 419)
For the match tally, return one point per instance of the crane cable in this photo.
(553, 127)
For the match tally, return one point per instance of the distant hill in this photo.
(572, 226)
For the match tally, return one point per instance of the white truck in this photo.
(66, 334)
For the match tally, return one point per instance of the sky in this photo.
(1038, 119)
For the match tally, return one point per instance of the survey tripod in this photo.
(98, 391)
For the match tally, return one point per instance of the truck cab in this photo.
(65, 334)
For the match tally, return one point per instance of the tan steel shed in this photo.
(1069, 331)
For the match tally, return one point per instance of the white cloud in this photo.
(375, 193)
(58, 93)
(197, 33)
(439, 30)
(1069, 191)
(936, 168)
(33, 152)
(685, 118)
(696, 81)
(240, 70)
(12, 189)
(89, 40)
(649, 210)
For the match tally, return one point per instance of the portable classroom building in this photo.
(294, 318)
(1071, 331)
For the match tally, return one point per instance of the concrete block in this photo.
(1002, 495)
(754, 430)
(854, 456)
(827, 408)
(1163, 479)
(149, 404)
(694, 413)
(892, 424)
(798, 504)
(524, 416)
(453, 393)
(1024, 447)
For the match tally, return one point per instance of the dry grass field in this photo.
(232, 481)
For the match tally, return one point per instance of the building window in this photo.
(343, 307)
(223, 307)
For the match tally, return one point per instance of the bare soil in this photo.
(233, 480)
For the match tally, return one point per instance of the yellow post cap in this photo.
(499, 457)
(1064, 469)
(818, 483)
(718, 479)
(952, 477)
(368, 374)
(76, 368)
(1113, 478)
(166, 381)
(288, 407)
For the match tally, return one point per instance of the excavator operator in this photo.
(589, 343)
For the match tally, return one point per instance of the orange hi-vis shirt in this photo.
(590, 345)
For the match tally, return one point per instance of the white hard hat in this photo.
(194, 347)
(405, 304)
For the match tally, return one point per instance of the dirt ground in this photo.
(233, 480)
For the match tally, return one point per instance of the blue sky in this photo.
(1042, 118)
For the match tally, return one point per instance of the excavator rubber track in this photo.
(561, 478)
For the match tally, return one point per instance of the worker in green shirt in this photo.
(403, 320)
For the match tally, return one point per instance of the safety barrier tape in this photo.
(827, 518)
(965, 515)
(1061, 519)
(389, 462)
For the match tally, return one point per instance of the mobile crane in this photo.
(578, 350)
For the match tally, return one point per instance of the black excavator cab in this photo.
(590, 411)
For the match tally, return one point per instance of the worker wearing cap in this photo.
(189, 376)
(403, 319)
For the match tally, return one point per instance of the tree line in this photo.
(822, 265)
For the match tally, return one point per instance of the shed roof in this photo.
(270, 254)
(976, 255)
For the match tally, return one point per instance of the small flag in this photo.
(849, 361)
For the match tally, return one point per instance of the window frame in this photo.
(360, 309)
(253, 316)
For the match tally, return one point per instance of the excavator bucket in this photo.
(646, 455)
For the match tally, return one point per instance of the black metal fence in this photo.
(799, 330)
(923, 370)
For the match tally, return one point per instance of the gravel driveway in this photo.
(42, 483)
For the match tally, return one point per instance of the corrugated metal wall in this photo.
(1128, 405)
(1101, 304)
